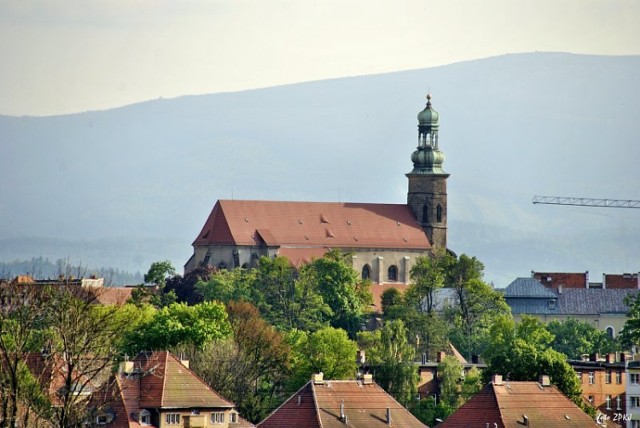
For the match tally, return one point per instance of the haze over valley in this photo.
(128, 186)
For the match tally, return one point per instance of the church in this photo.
(384, 239)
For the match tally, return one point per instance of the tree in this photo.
(328, 350)
(21, 320)
(185, 287)
(338, 285)
(228, 285)
(157, 275)
(450, 378)
(81, 350)
(248, 368)
(390, 297)
(522, 352)
(180, 324)
(477, 306)
(428, 276)
(391, 359)
(630, 334)
(575, 338)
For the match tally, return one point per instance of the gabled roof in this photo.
(318, 405)
(167, 383)
(505, 405)
(528, 287)
(312, 224)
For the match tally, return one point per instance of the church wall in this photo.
(380, 260)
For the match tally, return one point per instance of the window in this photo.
(635, 401)
(618, 377)
(425, 214)
(439, 213)
(591, 399)
(233, 417)
(607, 376)
(610, 332)
(366, 272)
(618, 400)
(217, 417)
(101, 419)
(552, 304)
(608, 402)
(392, 273)
(592, 378)
(172, 418)
(634, 378)
(145, 417)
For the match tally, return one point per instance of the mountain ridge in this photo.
(511, 126)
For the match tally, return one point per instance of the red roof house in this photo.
(339, 404)
(506, 404)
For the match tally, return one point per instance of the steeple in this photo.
(427, 194)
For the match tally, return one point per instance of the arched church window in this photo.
(425, 213)
(366, 272)
(392, 273)
(439, 213)
(610, 332)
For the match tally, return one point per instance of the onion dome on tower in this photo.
(427, 159)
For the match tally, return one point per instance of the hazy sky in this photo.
(64, 56)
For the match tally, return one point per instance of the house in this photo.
(384, 239)
(632, 378)
(603, 383)
(428, 385)
(158, 390)
(339, 404)
(155, 389)
(603, 308)
(507, 404)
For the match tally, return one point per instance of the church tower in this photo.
(427, 194)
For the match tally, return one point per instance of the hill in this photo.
(128, 186)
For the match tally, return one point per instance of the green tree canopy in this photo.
(575, 338)
(522, 352)
(180, 324)
(328, 350)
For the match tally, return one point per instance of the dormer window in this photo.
(145, 417)
(552, 304)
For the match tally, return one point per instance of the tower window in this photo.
(392, 273)
(425, 213)
(439, 213)
(366, 272)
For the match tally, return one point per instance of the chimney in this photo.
(388, 416)
(361, 357)
(367, 379)
(594, 357)
(544, 380)
(318, 378)
(424, 358)
(126, 367)
(525, 420)
(560, 289)
(496, 379)
(343, 417)
(441, 356)
(611, 358)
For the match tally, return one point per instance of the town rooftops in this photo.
(506, 404)
(339, 404)
(312, 224)
(529, 296)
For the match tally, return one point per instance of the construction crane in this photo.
(586, 202)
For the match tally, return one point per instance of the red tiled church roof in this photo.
(312, 224)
